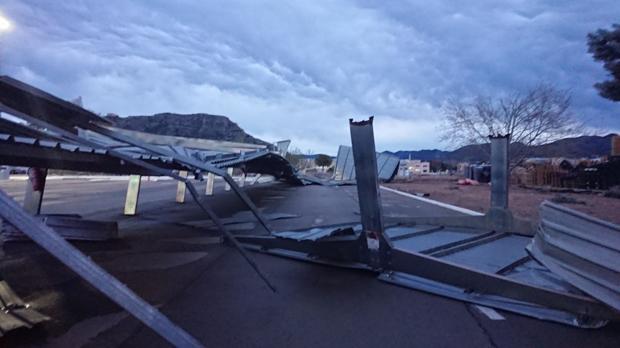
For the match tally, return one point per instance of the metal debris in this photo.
(14, 313)
(477, 259)
(344, 170)
(583, 250)
(318, 233)
(92, 273)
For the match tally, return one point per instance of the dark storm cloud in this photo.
(300, 69)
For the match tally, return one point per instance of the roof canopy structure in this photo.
(48, 132)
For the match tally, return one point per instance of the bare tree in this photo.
(540, 116)
(295, 158)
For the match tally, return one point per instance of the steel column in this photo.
(499, 171)
(210, 182)
(368, 192)
(180, 198)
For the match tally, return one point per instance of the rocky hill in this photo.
(579, 147)
(187, 125)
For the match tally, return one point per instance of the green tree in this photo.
(604, 45)
(323, 160)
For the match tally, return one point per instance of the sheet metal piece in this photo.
(499, 302)
(491, 254)
(40, 104)
(344, 170)
(68, 156)
(188, 144)
(583, 250)
(47, 238)
(318, 233)
(14, 313)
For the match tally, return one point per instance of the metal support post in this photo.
(210, 182)
(181, 187)
(242, 179)
(365, 158)
(499, 171)
(133, 193)
(229, 171)
(35, 187)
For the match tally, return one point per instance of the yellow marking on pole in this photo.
(133, 192)
(181, 187)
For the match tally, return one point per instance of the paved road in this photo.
(210, 291)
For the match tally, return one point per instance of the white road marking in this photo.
(490, 313)
(444, 205)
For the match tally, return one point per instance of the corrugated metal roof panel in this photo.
(315, 234)
(387, 165)
(583, 250)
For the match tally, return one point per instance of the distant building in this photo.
(413, 167)
(615, 146)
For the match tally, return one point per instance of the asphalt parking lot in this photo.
(167, 255)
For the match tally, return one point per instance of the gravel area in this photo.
(523, 202)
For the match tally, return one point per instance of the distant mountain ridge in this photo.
(579, 147)
(204, 126)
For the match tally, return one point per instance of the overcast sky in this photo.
(300, 69)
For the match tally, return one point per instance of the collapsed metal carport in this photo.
(394, 249)
(47, 131)
(490, 260)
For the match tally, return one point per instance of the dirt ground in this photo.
(523, 202)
